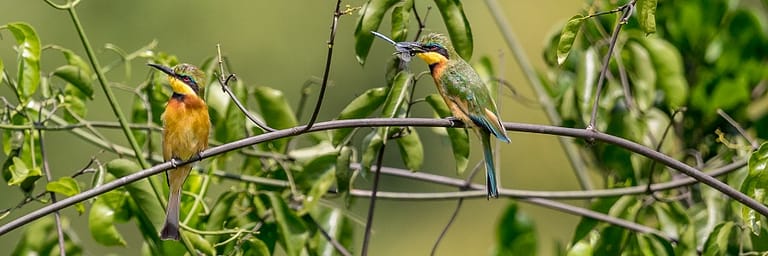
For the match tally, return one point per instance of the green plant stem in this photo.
(198, 198)
(571, 150)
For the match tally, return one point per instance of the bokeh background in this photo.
(282, 44)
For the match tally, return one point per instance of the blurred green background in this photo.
(282, 44)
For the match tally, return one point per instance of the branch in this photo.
(327, 71)
(381, 122)
(49, 177)
(372, 204)
(224, 83)
(626, 12)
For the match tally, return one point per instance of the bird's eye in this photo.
(185, 78)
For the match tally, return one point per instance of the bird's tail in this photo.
(490, 168)
(176, 179)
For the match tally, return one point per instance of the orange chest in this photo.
(185, 127)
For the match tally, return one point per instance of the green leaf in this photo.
(516, 233)
(315, 180)
(718, 240)
(219, 214)
(611, 241)
(202, 245)
(458, 26)
(372, 143)
(77, 61)
(411, 150)
(653, 245)
(396, 98)
(337, 225)
(360, 107)
(29, 53)
(40, 238)
(254, 247)
(642, 74)
(567, 37)
(459, 137)
(292, 231)
(582, 248)
(586, 225)
(231, 126)
(21, 173)
(401, 15)
(754, 186)
(77, 77)
(344, 173)
(101, 222)
(139, 115)
(276, 112)
(370, 18)
(140, 191)
(646, 15)
(669, 69)
(397, 94)
(66, 186)
(2, 74)
(74, 105)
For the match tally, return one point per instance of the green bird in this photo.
(465, 94)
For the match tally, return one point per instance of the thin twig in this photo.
(335, 243)
(372, 205)
(304, 94)
(752, 141)
(626, 12)
(224, 83)
(327, 71)
(422, 23)
(67, 127)
(49, 177)
(459, 203)
(658, 148)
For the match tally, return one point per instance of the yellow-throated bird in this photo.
(185, 134)
(464, 93)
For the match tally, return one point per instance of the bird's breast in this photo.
(185, 127)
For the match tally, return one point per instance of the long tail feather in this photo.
(490, 169)
(176, 179)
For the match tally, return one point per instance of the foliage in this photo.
(664, 90)
(675, 65)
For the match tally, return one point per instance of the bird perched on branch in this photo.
(185, 134)
(465, 94)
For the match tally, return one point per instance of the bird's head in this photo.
(184, 78)
(433, 48)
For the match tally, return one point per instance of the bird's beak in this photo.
(165, 69)
(410, 47)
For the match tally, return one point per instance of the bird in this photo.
(466, 95)
(186, 126)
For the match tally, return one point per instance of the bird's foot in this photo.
(200, 156)
(175, 161)
(455, 122)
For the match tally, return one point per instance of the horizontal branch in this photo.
(478, 193)
(380, 122)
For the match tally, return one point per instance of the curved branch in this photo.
(376, 122)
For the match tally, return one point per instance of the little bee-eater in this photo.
(465, 94)
(185, 134)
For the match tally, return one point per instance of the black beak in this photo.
(165, 69)
(411, 47)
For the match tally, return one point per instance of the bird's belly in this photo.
(183, 134)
